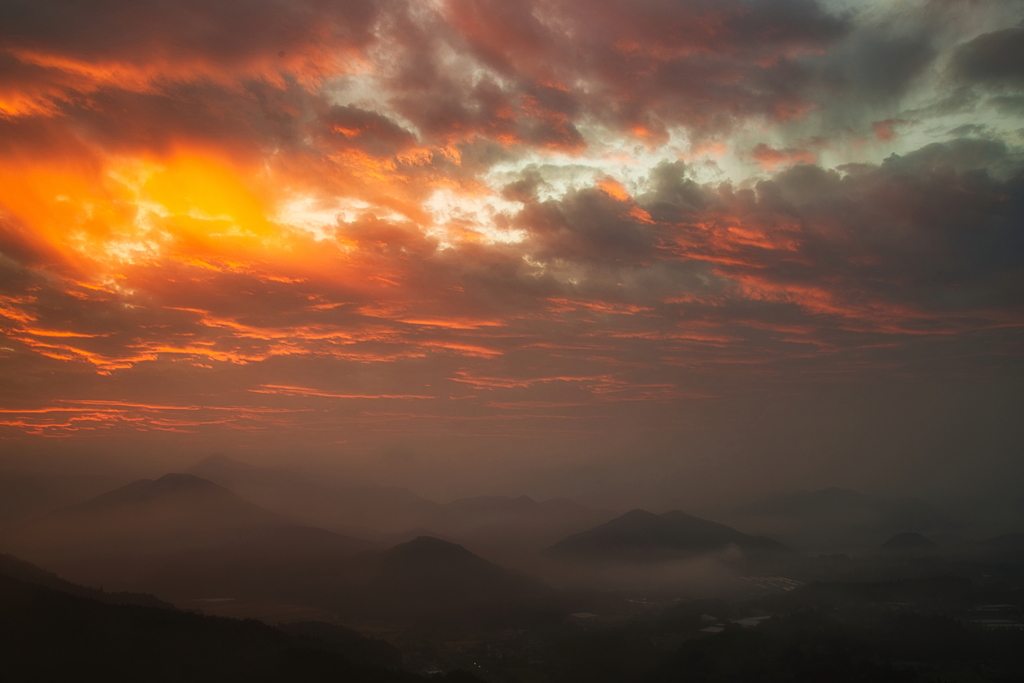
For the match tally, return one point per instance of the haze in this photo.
(512, 341)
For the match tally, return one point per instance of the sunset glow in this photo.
(489, 231)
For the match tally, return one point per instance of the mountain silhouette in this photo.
(296, 564)
(14, 568)
(52, 635)
(181, 536)
(23, 495)
(639, 535)
(839, 519)
(504, 529)
(174, 512)
(429, 577)
(511, 530)
(423, 578)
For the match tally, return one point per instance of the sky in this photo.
(631, 251)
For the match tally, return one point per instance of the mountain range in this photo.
(431, 578)
(835, 519)
(24, 496)
(187, 539)
(184, 538)
(317, 499)
(174, 512)
(504, 529)
(641, 536)
(174, 535)
(669, 552)
(52, 630)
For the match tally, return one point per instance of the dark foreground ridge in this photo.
(13, 568)
(51, 635)
(428, 577)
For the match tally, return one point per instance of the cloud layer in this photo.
(343, 226)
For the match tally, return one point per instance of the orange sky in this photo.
(507, 237)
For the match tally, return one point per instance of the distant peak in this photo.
(183, 480)
(179, 482)
(642, 534)
(637, 513)
(429, 546)
(429, 542)
(142, 490)
(632, 520)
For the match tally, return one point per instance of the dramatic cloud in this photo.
(536, 228)
(993, 59)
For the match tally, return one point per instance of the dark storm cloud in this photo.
(227, 33)
(993, 59)
(931, 229)
(878, 63)
(131, 73)
(905, 246)
(248, 121)
(587, 225)
(517, 74)
(636, 67)
(369, 131)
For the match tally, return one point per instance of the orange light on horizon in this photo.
(191, 206)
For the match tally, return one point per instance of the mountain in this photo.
(23, 496)
(184, 538)
(347, 642)
(173, 512)
(50, 635)
(318, 500)
(504, 529)
(641, 536)
(511, 530)
(295, 564)
(13, 568)
(422, 578)
(180, 536)
(671, 553)
(835, 519)
(303, 566)
(431, 578)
